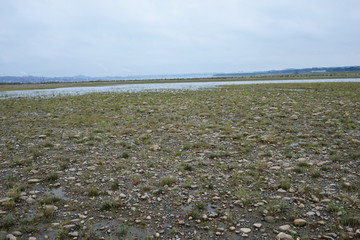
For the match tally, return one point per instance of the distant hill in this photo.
(294, 71)
(81, 78)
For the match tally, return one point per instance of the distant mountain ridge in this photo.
(81, 78)
(294, 71)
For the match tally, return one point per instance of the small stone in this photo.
(157, 235)
(34, 180)
(269, 219)
(155, 147)
(213, 214)
(5, 200)
(300, 222)
(17, 233)
(216, 198)
(284, 228)
(315, 199)
(33, 171)
(218, 233)
(50, 208)
(284, 236)
(74, 234)
(275, 168)
(257, 225)
(245, 230)
(181, 222)
(122, 195)
(32, 238)
(70, 226)
(10, 237)
(310, 213)
(30, 200)
(294, 117)
(357, 233)
(232, 228)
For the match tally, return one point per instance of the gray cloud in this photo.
(109, 37)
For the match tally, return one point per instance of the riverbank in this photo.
(33, 86)
(250, 161)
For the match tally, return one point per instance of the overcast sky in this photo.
(137, 37)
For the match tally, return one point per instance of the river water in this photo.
(70, 91)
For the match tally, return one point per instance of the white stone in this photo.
(245, 230)
(257, 225)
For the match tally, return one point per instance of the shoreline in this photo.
(54, 85)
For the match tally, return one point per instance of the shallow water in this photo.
(150, 87)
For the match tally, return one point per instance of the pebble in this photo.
(32, 238)
(269, 219)
(275, 168)
(69, 226)
(310, 213)
(34, 180)
(257, 225)
(74, 234)
(30, 200)
(300, 222)
(17, 233)
(10, 237)
(232, 228)
(50, 208)
(284, 236)
(357, 233)
(294, 117)
(5, 200)
(284, 228)
(245, 230)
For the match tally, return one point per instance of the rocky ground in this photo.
(255, 162)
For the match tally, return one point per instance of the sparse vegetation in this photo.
(131, 165)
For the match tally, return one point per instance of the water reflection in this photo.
(150, 87)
